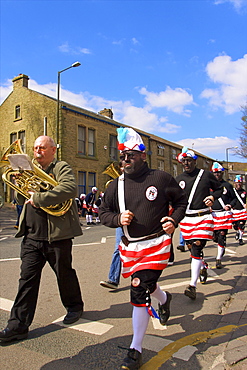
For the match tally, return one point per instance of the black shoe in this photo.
(133, 360)
(109, 284)
(7, 335)
(237, 235)
(88, 223)
(203, 275)
(181, 248)
(164, 309)
(218, 264)
(72, 317)
(93, 223)
(240, 242)
(190, 292)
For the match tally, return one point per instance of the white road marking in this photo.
(92, 327)
(103, 240)
(6, 304)
(153, 343)
(185, 353)
(10, 259)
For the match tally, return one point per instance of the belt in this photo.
(152, 236)
(198, 214)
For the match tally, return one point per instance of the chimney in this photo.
(107, 113)
(20, 81)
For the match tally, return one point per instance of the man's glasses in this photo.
(128, 155)
(42, 148)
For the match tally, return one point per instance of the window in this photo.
(22, 137)
(17, 112)
(81, 183)
(81, 140)
(91, 180)
(174, 153)
(13, 137)
(113, 148)
(175, 170)
(160, 150)
(206, 164)
(161, 165)
(91, 142)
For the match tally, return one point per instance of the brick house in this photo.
(86, 140)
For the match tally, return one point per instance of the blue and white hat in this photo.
(216, 167)
(129, 139)
(186, 153)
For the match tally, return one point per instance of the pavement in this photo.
(225, 347)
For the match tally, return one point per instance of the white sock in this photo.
(87, 218)
(140, 319)
(220, 252)
(241, 233)
(195, 270)
(159, 295)
(90, 218)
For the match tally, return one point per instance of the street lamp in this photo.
(233, 147)
(76, 64)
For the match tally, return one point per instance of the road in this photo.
(99, 339)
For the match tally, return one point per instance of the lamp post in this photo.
(76, 64)
(233, 147)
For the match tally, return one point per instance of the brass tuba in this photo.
(31, 180)
(112, 172)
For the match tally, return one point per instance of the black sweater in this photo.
(208, 185)
(148, 213)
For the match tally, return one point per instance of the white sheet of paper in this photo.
(20, 162)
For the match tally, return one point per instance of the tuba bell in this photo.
(32, 180)
(112, 172)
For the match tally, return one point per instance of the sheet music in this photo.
(20, 162)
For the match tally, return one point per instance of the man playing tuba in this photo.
(46, 237)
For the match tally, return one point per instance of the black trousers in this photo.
(34, 255)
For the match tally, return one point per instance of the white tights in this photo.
(140, 319)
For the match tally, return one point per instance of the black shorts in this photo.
(143, 283)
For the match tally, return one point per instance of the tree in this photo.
(242, 151)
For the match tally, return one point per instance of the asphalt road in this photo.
(98, 339)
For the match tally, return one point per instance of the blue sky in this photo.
(177, 69)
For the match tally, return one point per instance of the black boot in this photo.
(164, 309)
(133, 360)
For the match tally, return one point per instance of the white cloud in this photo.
(231, 77)
(135, 41)
(238, 4)
(66, 48)
(208, 145)
(173, 100)
(5, 90)
(124, 111)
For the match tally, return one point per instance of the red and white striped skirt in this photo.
(197, 227)
(239, 215)
(148, 254)
(222, 220)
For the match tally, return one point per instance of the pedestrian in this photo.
(239, 213)
(89, 200)
(83, 204)
(197, 226)
(96, 205)
(138, 202)
(116, 265)
(46, 238)
(181, 246)
(222, 212)
(18, 208)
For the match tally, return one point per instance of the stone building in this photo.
(86, 140)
